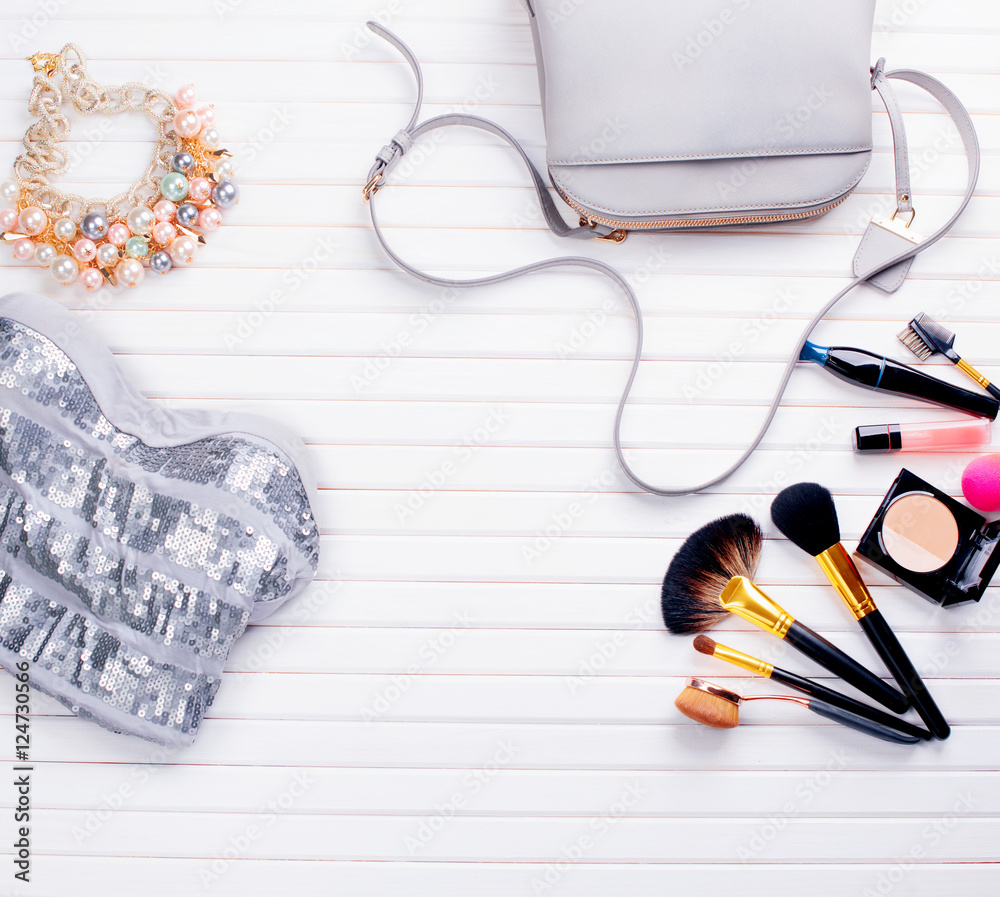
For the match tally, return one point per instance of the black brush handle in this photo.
(891, 651)
(828, 696)
(837, 662)
(992, 388)
(852, 720)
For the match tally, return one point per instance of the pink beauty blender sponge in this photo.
(981, 483)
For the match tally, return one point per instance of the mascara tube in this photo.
(885, 375)
(926, 437)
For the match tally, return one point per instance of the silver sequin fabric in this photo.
(129, 569)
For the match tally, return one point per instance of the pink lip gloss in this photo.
(925, 437)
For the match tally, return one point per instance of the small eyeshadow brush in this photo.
(705, 645)
(806, 514)
(709, 577)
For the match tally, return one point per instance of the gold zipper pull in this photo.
(616, 236)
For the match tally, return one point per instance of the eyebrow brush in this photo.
(925, 337)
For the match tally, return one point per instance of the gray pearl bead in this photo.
(94, 225)
(226, 194)
(182, 162)
(187, 214)
(160, 262)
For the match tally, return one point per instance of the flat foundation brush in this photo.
(709, 578)
(718, 707)
(755, 665)
(925, 337)
(806, 514)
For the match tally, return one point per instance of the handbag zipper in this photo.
(623, 227)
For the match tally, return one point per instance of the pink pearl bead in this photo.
(209, 219)
(85, 250)
(8, 218)
(32, 221)
(186, 96)
(187, 123)
(199, 189)
(23, 249)
(164, 210)
(206, 114)
(164, 232)
(91, 279)
(118, 234)
(183, 250)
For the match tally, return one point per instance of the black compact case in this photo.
(965, 575)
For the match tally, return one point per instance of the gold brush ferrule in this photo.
(743, 598)
(738, 658)
(836, 563)
(967, 368)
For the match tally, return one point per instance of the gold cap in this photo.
(836, 563)
(744, 661)
(743, 598)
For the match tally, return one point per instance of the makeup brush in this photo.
(710, 577)
(718, 707)
(712, 648)
(806, 514)
(925, 337)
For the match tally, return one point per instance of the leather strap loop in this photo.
(904, 197)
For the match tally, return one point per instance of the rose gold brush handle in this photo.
(844, 717)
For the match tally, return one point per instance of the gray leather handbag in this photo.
(749, 114)
(667, 115)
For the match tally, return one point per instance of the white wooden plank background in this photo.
(445, 712)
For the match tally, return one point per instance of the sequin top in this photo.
(136, 542)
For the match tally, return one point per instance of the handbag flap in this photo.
(661, 80)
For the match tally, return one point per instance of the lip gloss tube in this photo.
(924, 437)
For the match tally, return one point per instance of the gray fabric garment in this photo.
(136, 542)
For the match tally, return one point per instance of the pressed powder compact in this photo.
(932, 544)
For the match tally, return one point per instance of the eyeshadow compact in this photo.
(932, 544)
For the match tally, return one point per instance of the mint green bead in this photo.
(136, 247)
(174, 186)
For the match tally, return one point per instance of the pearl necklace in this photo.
(148, 226)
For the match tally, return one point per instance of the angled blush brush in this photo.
(806, 514)
(705, 645)
(925, 337)
(718, 707)
(710, 576)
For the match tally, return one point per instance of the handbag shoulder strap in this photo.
(390, 154)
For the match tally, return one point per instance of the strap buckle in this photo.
(374, 182)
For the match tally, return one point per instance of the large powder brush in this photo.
(701, 570)
(807, 515)
(710, 577)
